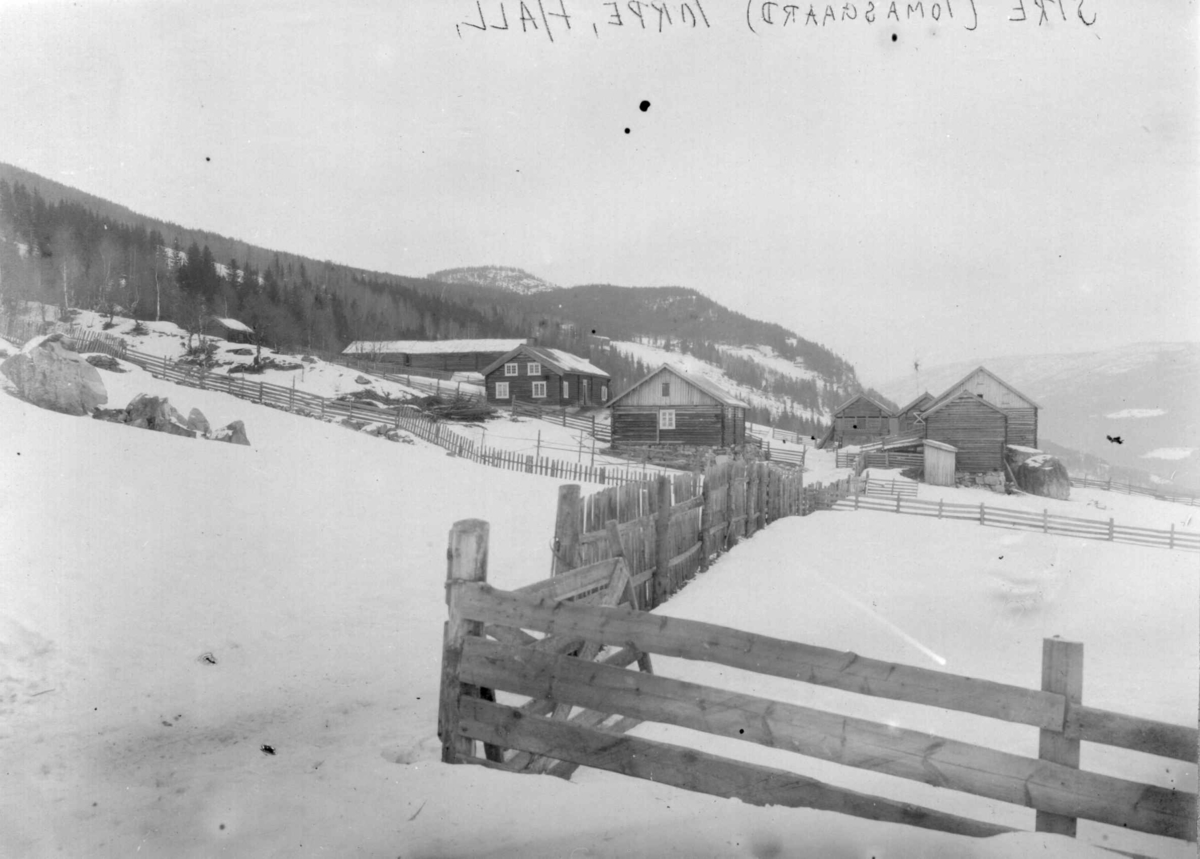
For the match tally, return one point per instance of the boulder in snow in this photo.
(197, 422)
(234, 433)
(1044, 475)
(105, 362)
(156, 413)
(48, 375)
(362, 380)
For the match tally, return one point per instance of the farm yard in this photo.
(182, 684)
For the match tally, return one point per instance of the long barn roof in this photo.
(428, 347)
(556, 359)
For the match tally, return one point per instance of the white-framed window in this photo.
(666, 419)
(604, 393)
(510, 369)
(666, 389)
(502, 390)
(566, 390)
(533, 368)
(539, 390)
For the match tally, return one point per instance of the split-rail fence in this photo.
(582, 700)
(1029, 520)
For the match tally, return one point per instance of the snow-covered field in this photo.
(171, 609)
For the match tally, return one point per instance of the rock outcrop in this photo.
(1044, 475)
(52, 377)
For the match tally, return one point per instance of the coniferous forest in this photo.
(62, 247)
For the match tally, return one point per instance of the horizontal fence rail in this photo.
(595, 700)
(1045, 521)
(1110, 485)
(599, 430)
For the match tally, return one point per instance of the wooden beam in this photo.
(691, 770)
(566, 529)
(689, 639)
(1062, 672)
(466, 562)
(1132, 732)
(1056, 787)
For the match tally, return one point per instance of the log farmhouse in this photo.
(672, 407)
(860, 419)
(443, 355)
(544, 376)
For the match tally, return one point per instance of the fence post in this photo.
(260, 393)
(323, 409)
(897, 502)
(661, 544)
(1045, 520)
(981, 513)
(566, 529)
(1110, 528)
(1171, 539)
(941, 501)
(292, 396)
(1109, 487)
(351, 411)
(1062, 673)
(466, 562)
(539, 444)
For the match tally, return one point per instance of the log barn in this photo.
(232, 330)
(544, 376)
(972, 425)
(445, 355)
(1022, 412)
(670, 406)
(860, 419)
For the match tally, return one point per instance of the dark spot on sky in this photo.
(644, 106)
(895, 38)
(626, 130)
(206, 158)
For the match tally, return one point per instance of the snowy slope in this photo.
(310, 566)
(654, 356)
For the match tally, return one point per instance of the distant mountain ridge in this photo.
(1145, 394)
(501, 277)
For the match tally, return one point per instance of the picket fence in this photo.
(582, 701)
(1045, 522)
(671, 527)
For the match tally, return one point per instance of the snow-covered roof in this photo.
(429, 347)
(555, 359)
(234, 325)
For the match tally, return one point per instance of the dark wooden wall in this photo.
(453, 361)
(698, 425)
(1022, 426)
(521, 387)
(975, 428)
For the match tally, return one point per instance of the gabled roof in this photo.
(556, 359)
(428, 347)
(918, 401)
(981, 368)
(234, 325)
(709, 387)
(871, 400)
(941, 404)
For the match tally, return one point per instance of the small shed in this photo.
(229, 329)
(670, 406)
(443, 355)
(939, 463)
(545, 376)
(972, 425)
(1021, 410)
(861, 419)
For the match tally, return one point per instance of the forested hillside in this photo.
(69, 249)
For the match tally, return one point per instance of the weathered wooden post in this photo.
(662, 545)
(1045, 521)
(1062, 673)
(260, 393)
(1110, 528)
(292, 396)
(466, 562)
(1171, 539)
(566, 529)
(982, 514)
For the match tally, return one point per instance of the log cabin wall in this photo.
(698, 425)
(977, 429)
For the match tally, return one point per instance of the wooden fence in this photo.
(1129, 489)
(879, 459)
(874, 486)
(489, 648)
(673, 526)
(1046, 522)
(599, 430)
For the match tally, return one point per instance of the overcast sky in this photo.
(893, 190)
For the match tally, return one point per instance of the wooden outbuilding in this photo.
(232, 330)
(860, 419)
(544, 376)
(670, 406)
(939, 465)
(906, 418)
(972, 425)
(442, 355)
(1022, 411)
